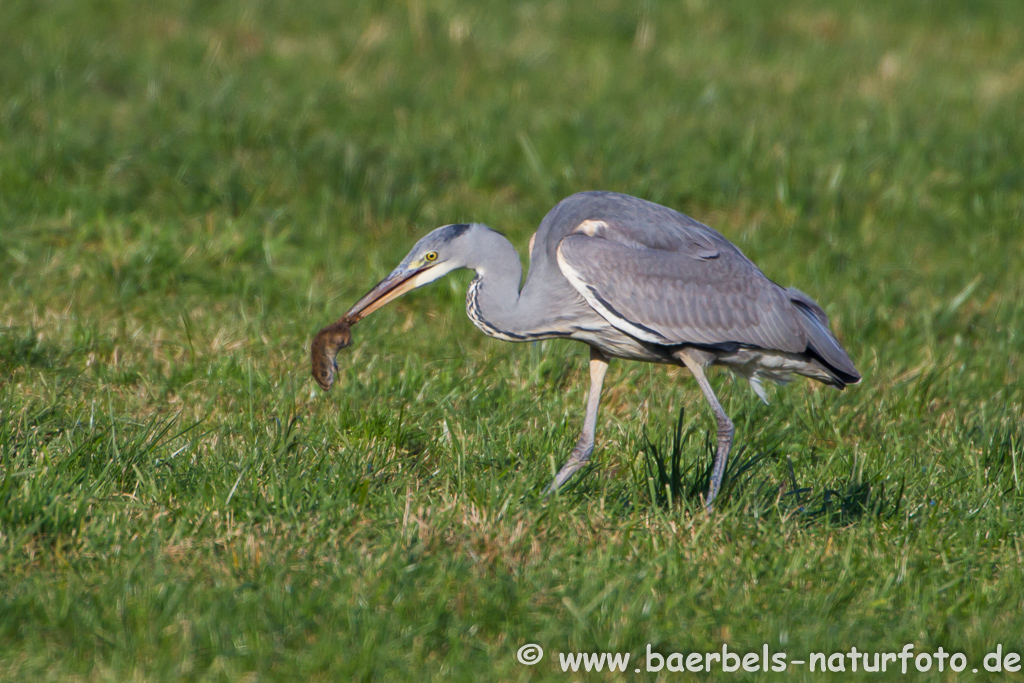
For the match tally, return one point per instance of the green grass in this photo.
(189, 190)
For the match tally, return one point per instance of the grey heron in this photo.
(632, 280)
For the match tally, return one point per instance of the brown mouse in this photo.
(324, 350)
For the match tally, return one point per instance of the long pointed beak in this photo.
(390, 288)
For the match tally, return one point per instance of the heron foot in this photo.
(577, 461)
(725, 434)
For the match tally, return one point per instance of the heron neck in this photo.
(492, 301)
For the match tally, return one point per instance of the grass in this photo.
(188, 191)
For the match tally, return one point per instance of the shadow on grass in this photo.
(751, 483)
(23, 348)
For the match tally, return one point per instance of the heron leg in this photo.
(585, 445)
(725, 428)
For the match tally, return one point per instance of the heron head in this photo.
(438, 253)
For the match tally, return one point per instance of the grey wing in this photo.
(694, 287)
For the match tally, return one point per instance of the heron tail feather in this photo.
(821, 343)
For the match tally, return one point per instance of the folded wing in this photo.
(697, 293)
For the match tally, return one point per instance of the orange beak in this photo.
(390, 288)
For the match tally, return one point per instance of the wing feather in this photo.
(686, 284)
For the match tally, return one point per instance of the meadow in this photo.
(190, 190)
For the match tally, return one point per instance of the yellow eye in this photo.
(431, 256)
